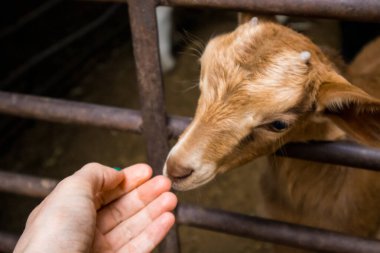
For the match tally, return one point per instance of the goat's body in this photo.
(364, 71)
(321, 195)
(324, 196)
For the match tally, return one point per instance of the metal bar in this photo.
(26, 185)
(339, 153)
(142, 16)
(7, 242)
(274, 231)
(145, 46)
(217, 220)
(69, 112)
(227, 222)
(364, 10)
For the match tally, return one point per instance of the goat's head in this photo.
(259, 84)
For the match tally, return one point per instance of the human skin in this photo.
(99, 209)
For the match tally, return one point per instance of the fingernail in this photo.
(117, 168)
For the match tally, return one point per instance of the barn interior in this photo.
(82, 51)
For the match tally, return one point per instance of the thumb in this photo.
(100, 178)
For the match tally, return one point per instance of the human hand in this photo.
(99, 209)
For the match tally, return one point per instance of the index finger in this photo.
(134, 176)
(106, 184)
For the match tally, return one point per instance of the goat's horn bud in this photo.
(254, 21)
(305, 56)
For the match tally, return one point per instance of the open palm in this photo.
(101, 210)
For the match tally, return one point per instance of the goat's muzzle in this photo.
(176, 171)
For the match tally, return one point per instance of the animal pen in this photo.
(157, 128)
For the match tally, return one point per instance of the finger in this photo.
(98, 177)
(147, 240)
(131, 203)
(32, 216)
(100, 244)
(134, 176)
(133, 226)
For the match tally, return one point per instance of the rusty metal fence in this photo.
(157, 128)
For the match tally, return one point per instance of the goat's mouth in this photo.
(192, 178)
(189, 183)
(183, 177)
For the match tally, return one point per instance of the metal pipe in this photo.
(274, 231)
(7, 242)
(339, 153)
(26, 185)
(142, 16)
(217, 220)
(364, 10)
(70, 112)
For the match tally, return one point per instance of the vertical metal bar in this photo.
(144, 34)
(143, 22)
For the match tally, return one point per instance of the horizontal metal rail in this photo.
(26, 185)
(339, 153)
(273, 231)
(217, 220)
(7, 242)
(364, 10)
(69, 112)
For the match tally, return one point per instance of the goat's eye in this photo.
(278, 126)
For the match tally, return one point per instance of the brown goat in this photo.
(264, 85)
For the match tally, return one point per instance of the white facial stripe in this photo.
(193, 157)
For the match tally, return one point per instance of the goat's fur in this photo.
(257, 75)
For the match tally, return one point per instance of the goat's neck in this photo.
(303, 185)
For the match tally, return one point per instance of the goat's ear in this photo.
(351, 108)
